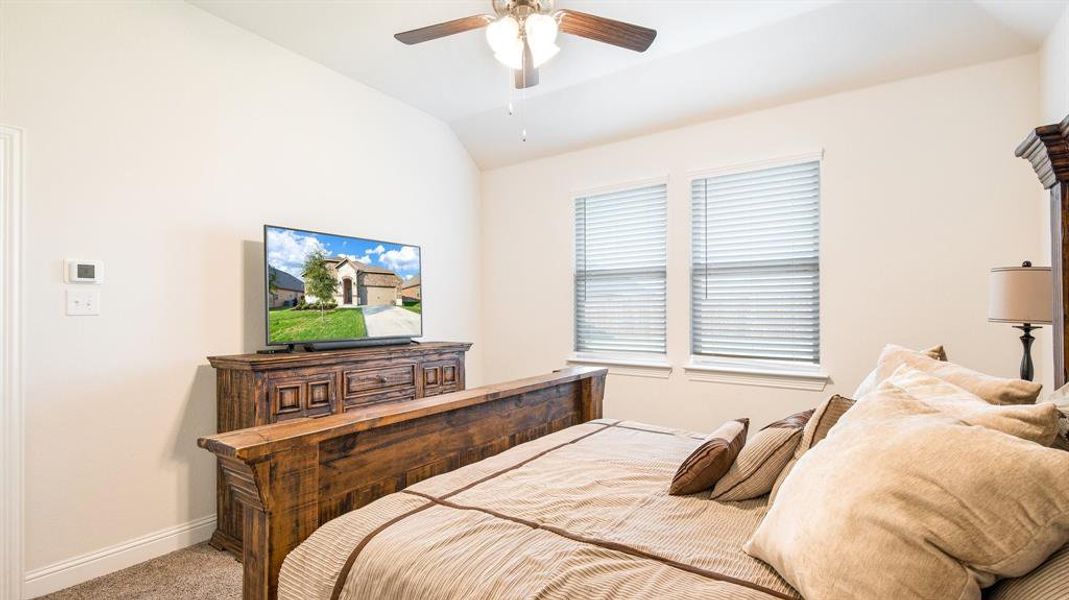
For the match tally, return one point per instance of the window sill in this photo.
(757, 375)
(626, 365)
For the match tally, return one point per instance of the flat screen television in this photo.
(334, 290)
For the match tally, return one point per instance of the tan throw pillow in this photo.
(996, 390)
(824, 418)
(762, 458)
(1049, 581)
(871, 381)
(1034, 422)
(709, 461)
(942, 508)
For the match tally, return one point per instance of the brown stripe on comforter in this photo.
(581, 513)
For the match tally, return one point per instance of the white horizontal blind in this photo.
(756, 265)
(620, 257)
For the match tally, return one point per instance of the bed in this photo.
(515, 490)
(583, 512)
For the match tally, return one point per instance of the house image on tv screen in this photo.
(361, 284)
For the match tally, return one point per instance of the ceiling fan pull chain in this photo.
(523, 115)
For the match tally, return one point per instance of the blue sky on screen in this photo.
(287, 249)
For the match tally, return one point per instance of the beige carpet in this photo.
(196, 572)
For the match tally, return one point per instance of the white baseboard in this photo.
(73, 571)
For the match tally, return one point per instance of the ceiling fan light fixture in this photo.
(503, 35)
(541, 33)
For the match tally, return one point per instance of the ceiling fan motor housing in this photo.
(522, 8)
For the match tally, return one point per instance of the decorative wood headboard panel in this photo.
(1047, 148)
(294, 476)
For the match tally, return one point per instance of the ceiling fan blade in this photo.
(617, 33)
(433, 32)
(528, 75)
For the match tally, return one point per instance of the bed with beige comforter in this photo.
(581, 513)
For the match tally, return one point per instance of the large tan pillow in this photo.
(762, 459)
(710, 460)
(824, 418)
(903, 501)
(872, 379)
(996, 390)
(1038, 423)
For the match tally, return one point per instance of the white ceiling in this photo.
(711, 58)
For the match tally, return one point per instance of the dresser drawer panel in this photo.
(287, 398)
(319, 400)
(449, 375)
(363, 381)
(432, 376)
(398, 394)
(439, 390)
(440, 377)
(305, 397)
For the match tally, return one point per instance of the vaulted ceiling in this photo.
(710, 59)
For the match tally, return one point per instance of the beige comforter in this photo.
(582, 513)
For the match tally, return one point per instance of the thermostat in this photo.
(83, 271)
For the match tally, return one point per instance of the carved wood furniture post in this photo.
(1047, 148)
(277, 517)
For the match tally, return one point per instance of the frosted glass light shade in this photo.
(541, 33)
(1020, 295)
(503, 35)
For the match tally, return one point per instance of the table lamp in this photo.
(1021, 295)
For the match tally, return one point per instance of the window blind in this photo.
(756, 264)
(620, 256)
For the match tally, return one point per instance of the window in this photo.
(620, 258)
(755, 265)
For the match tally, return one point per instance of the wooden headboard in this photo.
(1047, 148)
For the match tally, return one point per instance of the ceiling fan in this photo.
(523, 33)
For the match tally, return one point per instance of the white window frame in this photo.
(757, 372)
(625, 363)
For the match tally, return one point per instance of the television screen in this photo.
(323, 287)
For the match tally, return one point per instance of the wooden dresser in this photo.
(260, 389)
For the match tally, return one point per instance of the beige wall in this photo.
(159, 140)
(1054, 65)
(921, 197)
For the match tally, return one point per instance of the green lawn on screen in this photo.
(291, 326)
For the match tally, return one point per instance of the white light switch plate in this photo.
(83, 303)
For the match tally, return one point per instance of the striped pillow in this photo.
(709, 461)
(1048, 581)
(755, 470)
(825, 417)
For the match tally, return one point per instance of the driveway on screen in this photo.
(391, 321)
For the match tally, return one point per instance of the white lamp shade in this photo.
(1020, 295)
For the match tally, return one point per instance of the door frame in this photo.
(12, 469)
(347, 291)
